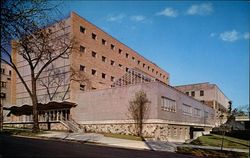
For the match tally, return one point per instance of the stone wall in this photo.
(155, 131)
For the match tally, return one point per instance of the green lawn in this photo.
(211, 153)
(215, 140)
(121, 136)
(20, 131)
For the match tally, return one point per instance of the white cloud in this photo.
(229, 36)
(170, 12)
(118, 17)
(246, 35)
(138, 18)
(202, 9)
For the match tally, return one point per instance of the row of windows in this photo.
(168, 104)
(193, 93)
(120, 51)
(3, 84)
(94, 72)
(3, 71)
(2, 95)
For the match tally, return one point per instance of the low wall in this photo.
(43, 126)
(156, 131)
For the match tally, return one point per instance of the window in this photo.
(187, 93)
(9, 72)
(112, 46)
(153, 70)
(168, 104)
(103, 75)
(82, 49)
(126, 55)
(193, 93)
(156, 72)
(148, 67)
(201, 93)
(82, 87)
(93, 72)
(2, 95)
(133, 58)
(127, 69)
(82, 29)
(93, 54)
(82, 68)
(120, 65)
(103, 58)
(93, 88)
(143, 65)
(104, 42)
(138, 62)
(197, 112)
(206, 114)
(112, 78)
(3, 84)
(120, 51)
(2, 71)
(187, 109)
(160, 74)
(94, 36)
(112, 62)
(164, 76)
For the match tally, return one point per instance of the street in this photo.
(11, 146)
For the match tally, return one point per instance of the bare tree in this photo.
(58, 79)
(18, 19)
(138, 110)
(39, 50)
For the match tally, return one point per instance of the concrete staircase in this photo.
(72, 125)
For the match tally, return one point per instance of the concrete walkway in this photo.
(124, 143)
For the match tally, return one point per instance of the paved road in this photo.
(27, 147)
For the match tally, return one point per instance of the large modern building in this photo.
(5, 84)
(113, 73)
(211, 95)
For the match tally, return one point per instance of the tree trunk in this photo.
(34, 103)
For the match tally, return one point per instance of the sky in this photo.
(193, 41)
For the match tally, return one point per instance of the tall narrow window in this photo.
(82, 49)
(138, 62)
(112, 46)
(94, 36)
(193, 93)
(93, 54)
(201, 93)
(82, 68)
(143, 65)
(104, 42)
(126, 55)
(103, 75)
(82, 87)
(112, 78)
(10, 72)
(103, 58)
(187, 93)
(120, 51)
(82, 29)
(93, 72)
(112, 62)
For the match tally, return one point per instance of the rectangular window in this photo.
(103, 58)
(153, 70)
(193, 93)
(120, 65)
(93, 88)
(201, 93)
(112, 46)
(9, 72)
(3, 84)
(206, 114)
(187, 93)
(104, 42)
(126, 55)
(120, 51)
(156, 72)
(133, 58)
(138, 62)
(148, 67)
(112, 78)
(112, 63)
(82, 68)
(2, 71)
(82, 87)
(127, 69)
(160, 74)
(82, 29)
(94, 54)
(187, 109)
(143, 65)
(103, 75)
(2, 95)
(94, 36)
(168, 104)
(82, 49)
(93, 72)
(197, 112)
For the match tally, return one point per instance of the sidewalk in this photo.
(124, 143)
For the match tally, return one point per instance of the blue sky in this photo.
(193, 41)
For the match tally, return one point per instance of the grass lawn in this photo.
(121, 136)
(215, 140)
(211, 153)
(20, 131)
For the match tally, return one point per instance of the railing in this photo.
(72, 125)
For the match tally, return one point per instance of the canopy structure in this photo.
(27, 109)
